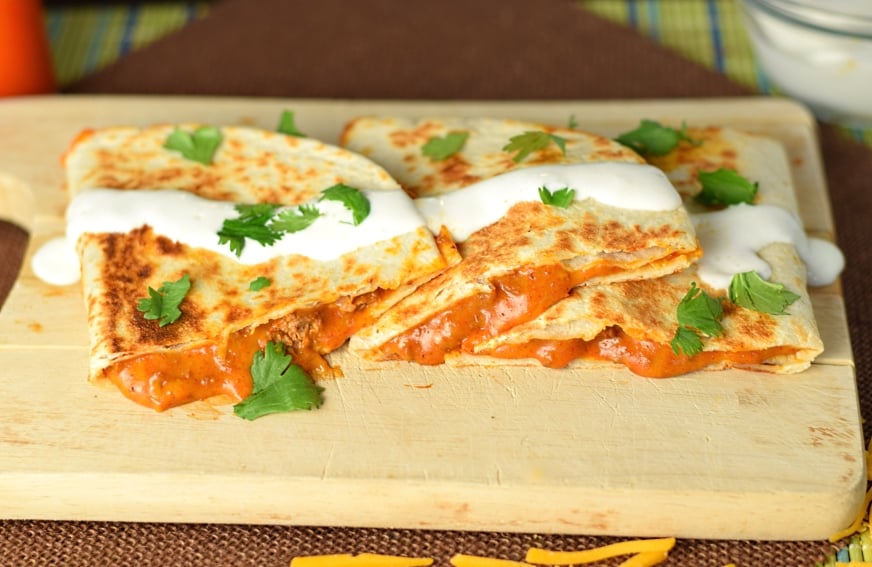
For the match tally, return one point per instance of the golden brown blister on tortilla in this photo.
(395, 143)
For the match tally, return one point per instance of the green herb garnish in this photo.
(751, 291)
(352, 198)
(199, 146)
(288, 126)
(259, 283)
(725, 187)
(561, 198)
(279, 385)
(164, 302)
(651, 138)
(697, 313)
(438, 149)
(251, 223)
(532, 141)
(295, 220)
(573, 123)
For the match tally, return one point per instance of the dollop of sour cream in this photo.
(192, 220)
(730, 239)
(624, 185)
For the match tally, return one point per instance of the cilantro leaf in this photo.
(295, 220)
(698, 310)
(199, 146)
(573, 123)
(288, 126)
(438, 149)
(751, 291)
(686, 341)
(251, 223)
(279, 385)
(725, 187)
(652, 138)
(259, 283)
(532, 141)
(561, 198)
(164, 302)
(697, 313)
(352, 198)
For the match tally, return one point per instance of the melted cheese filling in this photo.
(645, 358)
(169, 378)
(514, 299)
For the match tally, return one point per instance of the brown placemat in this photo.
(451, 49)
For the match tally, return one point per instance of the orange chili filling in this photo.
(645, 358)
(171, 378)
(516, 298)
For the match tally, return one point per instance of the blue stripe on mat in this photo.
(129, 25)
(654, 19)
(717, 41)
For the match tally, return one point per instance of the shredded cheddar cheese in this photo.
(361, 560)
(639, 546)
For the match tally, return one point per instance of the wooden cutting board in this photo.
(718, 455)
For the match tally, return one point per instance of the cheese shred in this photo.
(361, 560)
(639, 546)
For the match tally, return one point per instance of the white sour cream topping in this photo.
(731, 238)
(624, 185)
(192, 220)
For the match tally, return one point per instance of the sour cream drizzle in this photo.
(624, 185)
(192, 220)
(731, 238)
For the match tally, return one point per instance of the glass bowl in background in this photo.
(817, 51)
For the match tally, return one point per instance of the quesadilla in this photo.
(522, 251)
(636, 324)
(158, 231)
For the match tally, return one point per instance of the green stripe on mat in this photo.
(87, 38)
(686, 28)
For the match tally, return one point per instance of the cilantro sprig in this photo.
(163, 303)
(287, 125)
(279, 385)
(260, 222)
(353, 199)
(725, 187)
(698, 314)
(749, 290)
(199, 145)
(561, 198)
(295, 220)
(572, 124)
(439, 149)
(532, 141)
(251, 223)
(651, 138)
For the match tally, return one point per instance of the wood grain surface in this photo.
(732, 455)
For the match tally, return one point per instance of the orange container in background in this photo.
(25, 57)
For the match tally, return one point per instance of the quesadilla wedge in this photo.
(530, 223)
(180, 293)
(638, 324)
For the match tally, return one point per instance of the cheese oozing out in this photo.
(618, 184)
